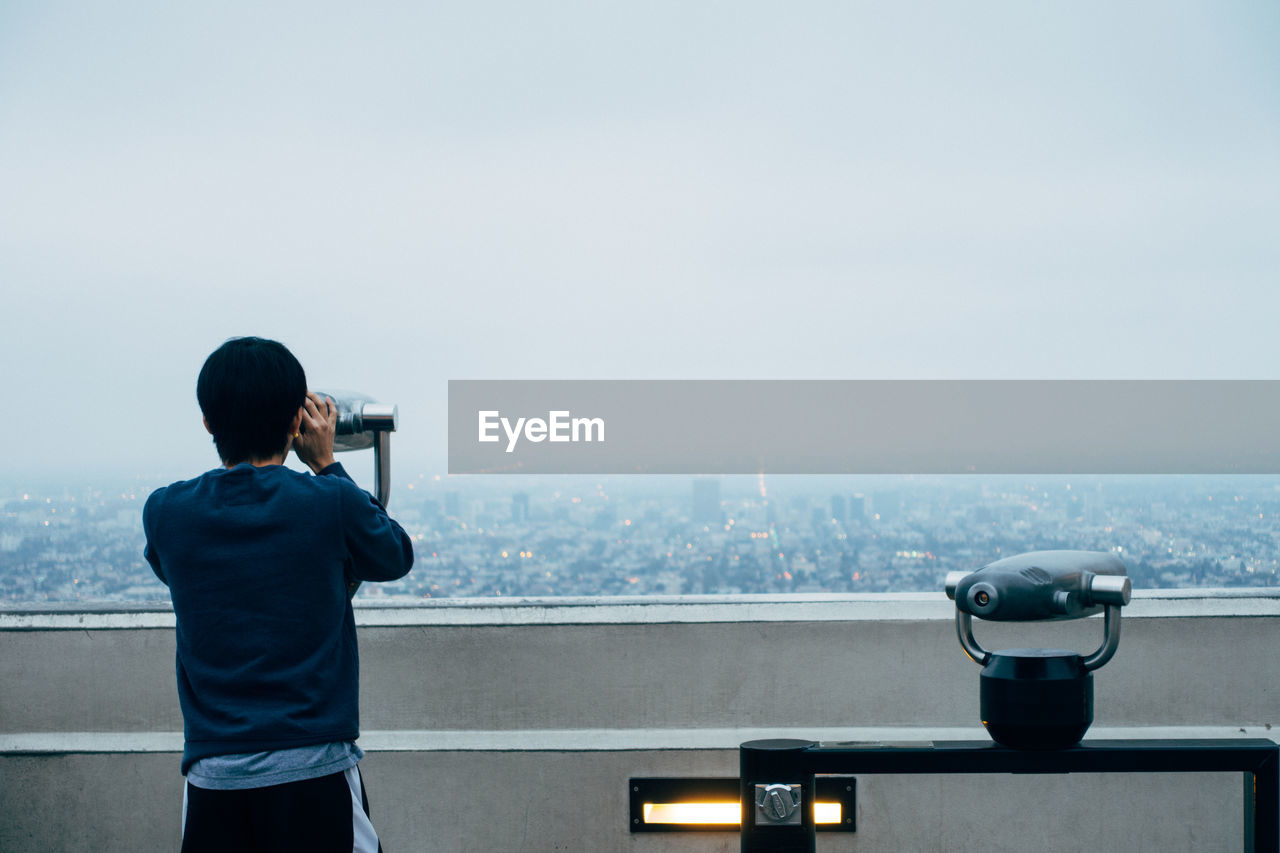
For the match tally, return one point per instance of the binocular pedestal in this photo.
(1036, 698)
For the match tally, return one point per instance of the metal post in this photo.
(382, 466)
(1262, 806)
(772, 774)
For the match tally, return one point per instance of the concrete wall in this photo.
(493, 802)
(516, 727)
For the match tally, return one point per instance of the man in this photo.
(258, 559)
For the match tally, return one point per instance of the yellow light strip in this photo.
(827, 813)
(690, 813)
(721, 813)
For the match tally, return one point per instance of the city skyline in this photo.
(480, 537)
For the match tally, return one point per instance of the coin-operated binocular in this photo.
(1039, 698)
(362, 423)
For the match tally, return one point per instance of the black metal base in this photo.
(1036, 698)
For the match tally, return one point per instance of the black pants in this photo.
(311, 816)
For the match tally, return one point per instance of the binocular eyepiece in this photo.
(360, 418)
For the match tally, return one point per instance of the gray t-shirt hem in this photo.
(276, 767)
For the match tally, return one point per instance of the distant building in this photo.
(838, 511)
(706, 501)
(520, 507)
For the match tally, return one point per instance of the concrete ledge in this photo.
(656, 610)
(789, 672)
(589, 740)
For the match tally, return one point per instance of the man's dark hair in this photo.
(249, 391)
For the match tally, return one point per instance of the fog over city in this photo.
(410, 193)
(672, 535)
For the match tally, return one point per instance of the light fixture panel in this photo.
(713, 804)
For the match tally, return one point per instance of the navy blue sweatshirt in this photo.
(257, 562)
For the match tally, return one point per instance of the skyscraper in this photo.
(706, 500)
(520, 507)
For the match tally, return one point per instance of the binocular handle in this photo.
(1110, 641)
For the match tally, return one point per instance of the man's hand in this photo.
(314, 444)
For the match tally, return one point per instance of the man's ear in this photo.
(296, 426)
(207, 428)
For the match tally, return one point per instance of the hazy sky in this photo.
(409, 193)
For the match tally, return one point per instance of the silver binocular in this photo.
(1039, 698)
(362, 423)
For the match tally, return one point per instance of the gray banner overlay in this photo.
(864, 427)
